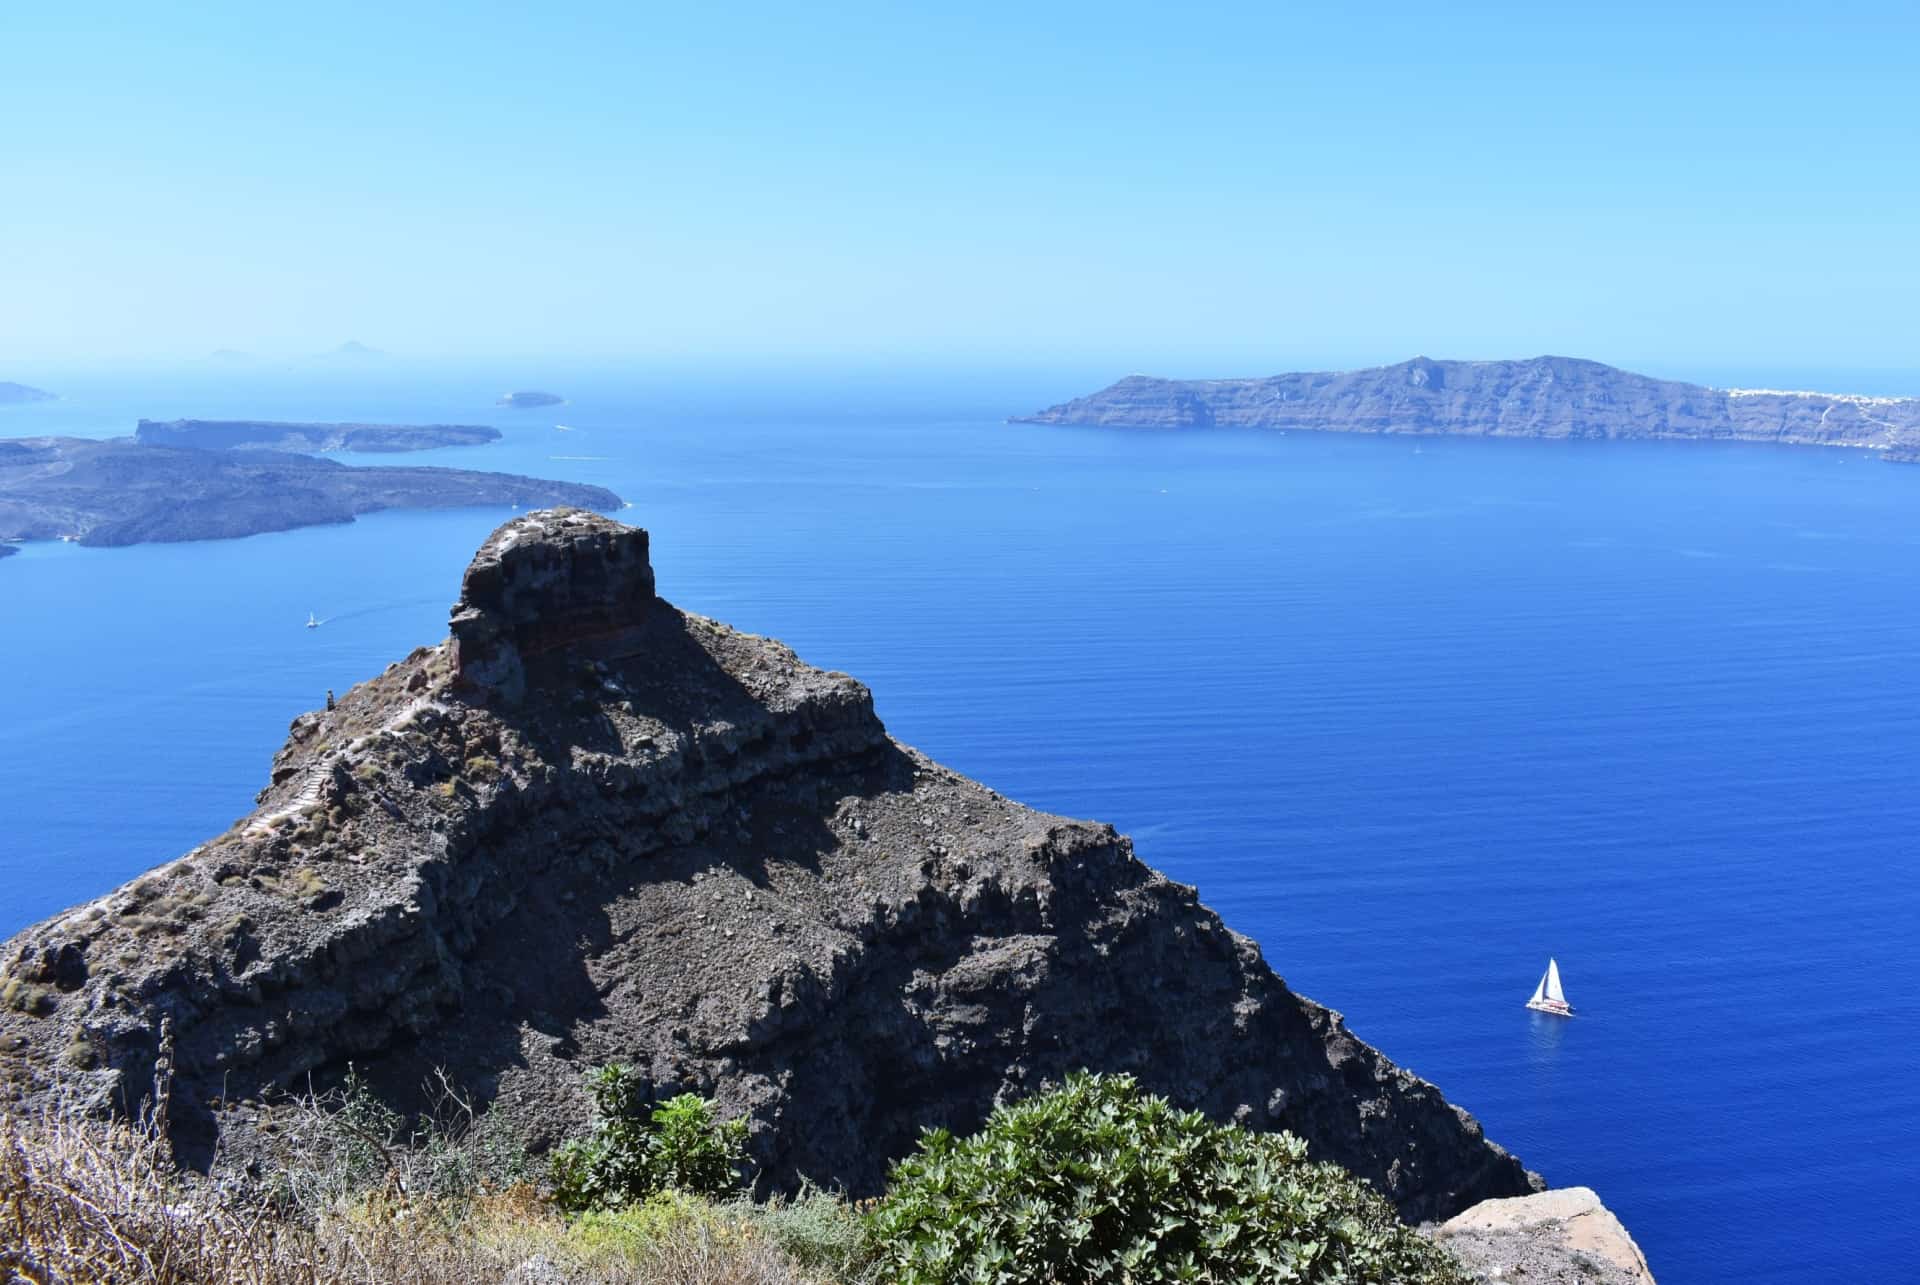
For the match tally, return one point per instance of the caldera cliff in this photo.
(1550, 397)
(591, 827)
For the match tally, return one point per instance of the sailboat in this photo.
(1547, 996)
(313, 621)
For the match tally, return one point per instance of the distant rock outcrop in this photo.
(119, 491)
(272, 435)
(15, 394)
(530, 398)
(591, 827)
(1563, 1237)
(1555, 397)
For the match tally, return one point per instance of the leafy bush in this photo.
(1099, 1182)
(637, 1149)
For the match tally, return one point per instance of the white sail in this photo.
(1540, 991)
(1551, 983)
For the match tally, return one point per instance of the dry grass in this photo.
(82, 1202)
(85, 1202)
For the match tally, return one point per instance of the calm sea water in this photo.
(1413, 715)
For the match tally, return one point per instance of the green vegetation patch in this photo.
(638, 1149)
(1100, 1182)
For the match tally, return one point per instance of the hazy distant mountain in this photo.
(1555, 397)
(353, 350)
(530, 397)
(13, 394)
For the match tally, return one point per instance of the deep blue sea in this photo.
(1413, 714)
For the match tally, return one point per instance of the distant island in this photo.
(13, 394)
(272, 435)
(121, 491)
(523, 400)
(353, 348)
(1548, 397)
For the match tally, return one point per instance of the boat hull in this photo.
(1550, 1006)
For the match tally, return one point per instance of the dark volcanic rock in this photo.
(592, 827)
(269, 435)
(119, 492)
(530, 398)
(13, 394)
(1559, 397)
(530, 592)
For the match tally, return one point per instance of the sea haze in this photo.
(1414, 714)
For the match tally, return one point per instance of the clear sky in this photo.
(1189, 189)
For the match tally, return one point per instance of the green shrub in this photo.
(637, 1149)
(1099, 1182)
(817, 1229)
(628, 1232)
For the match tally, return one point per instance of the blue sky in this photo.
(1199, 189)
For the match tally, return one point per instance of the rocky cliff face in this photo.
(1560, 397)
(592, 827)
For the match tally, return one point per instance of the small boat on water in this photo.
(313, 621)
(1547, 996)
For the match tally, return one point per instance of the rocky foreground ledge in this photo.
(592, 827)
(1564, 1237)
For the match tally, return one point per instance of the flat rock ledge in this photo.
(1561, 1237)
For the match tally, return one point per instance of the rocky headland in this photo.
(271, 435)
(12, 394)
(119, 491)
(530, 398)
(1545, 397)
(591, 827)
